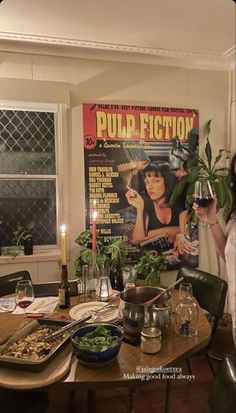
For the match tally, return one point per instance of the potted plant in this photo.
(149, 267)
(22, 237)
(196, 168)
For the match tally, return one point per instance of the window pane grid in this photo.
(27, 142)
(28, 174)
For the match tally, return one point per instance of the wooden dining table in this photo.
(131, 368)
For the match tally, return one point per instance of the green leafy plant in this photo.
(22, 233)
(112, 254)
(117, 252)
(19, 236)
(149, 267)
(197, 167)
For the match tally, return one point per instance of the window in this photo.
(28, 174)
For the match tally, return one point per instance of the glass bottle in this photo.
(93, 274)
(116, 278)
(64, 289)
(85, 283)
(28, 245)
(186, 318)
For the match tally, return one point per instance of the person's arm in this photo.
(183, 217)
(219, 237)
(209, 215)
(137, 202)
(182, 244)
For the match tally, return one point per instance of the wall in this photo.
(74, 81)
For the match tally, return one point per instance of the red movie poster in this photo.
(130, 173)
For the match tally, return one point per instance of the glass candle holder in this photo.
(103, 290)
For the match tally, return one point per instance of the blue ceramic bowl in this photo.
(96, 357)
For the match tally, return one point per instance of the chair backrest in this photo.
(8, 282)
(209, 290)
(222, 396)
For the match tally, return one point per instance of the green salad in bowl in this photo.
(97, 343)
(98, 339)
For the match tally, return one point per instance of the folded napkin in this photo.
(7, 304)
(44, 305)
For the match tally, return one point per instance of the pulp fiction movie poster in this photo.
(130, 173)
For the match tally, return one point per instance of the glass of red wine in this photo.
(24, 294)
(203, 195)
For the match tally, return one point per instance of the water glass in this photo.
(85, 287)
(185, 291)
(129, 275)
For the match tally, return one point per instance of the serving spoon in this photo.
(153, 300)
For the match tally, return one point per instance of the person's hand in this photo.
(207, 214)
(134, 199)
(180, 173)
(182, 245)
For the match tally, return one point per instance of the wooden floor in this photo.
(185, 396)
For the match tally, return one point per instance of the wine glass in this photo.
(24, 294)
(185, 291)
(203, 195)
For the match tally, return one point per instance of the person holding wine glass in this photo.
(24, 294)
(225, 242)
(203, 195)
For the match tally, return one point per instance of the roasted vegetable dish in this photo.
(97, 340)
(33, 347)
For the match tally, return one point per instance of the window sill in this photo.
(53, 255)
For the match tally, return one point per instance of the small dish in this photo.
(78, 311)
(93, 357)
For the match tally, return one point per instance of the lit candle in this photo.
(94, 231)
(63, 245)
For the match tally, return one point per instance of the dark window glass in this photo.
(27, 143)
(27, 147)
(26, 201)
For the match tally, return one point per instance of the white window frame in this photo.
(61, 154)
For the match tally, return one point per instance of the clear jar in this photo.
(150, 340)
(186, 318)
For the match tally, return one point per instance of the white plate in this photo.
(79, 311)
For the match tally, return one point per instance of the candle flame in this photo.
(63, 228)
(94, 203)
(95, 214)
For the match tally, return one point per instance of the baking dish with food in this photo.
(27, 350)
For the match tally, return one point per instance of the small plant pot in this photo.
(28, 246)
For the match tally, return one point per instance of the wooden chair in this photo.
(8, 282)
(222, 396)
